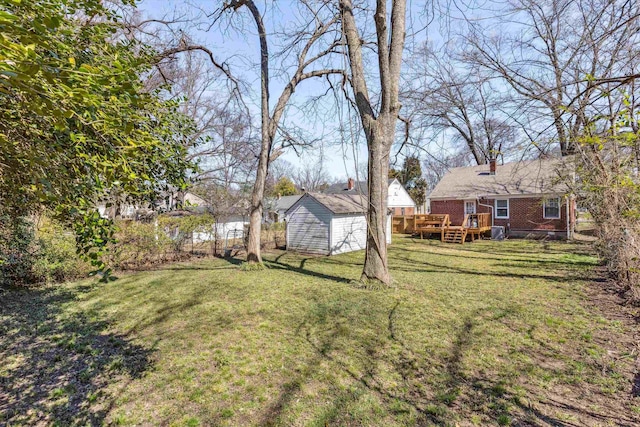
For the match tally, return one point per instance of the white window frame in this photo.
(474, 207)
(495, 205)
(544, 208)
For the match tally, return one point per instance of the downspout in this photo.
(568, 219)
(488, 206)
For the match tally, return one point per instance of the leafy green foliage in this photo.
(57, 258)
(76, 122)
(17, 250)
(181, 228)
(410, 176)
(39, 251)
(284, 187)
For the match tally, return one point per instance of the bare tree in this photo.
(554, 55)
(312, 176)
(446, 97)
(310, 46)
(379, 123)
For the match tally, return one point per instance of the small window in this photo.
(402, 211)
(552, 208)
(502, 208)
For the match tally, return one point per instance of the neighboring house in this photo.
(282, 205)
(398, 199)
(190, 199)
(166, 202)
(232, 227)
(328, 224)
(528, 197)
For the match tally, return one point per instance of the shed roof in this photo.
(285, 202)
(543, 176)
(338, 203)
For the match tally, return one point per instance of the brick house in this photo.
(398, 199)
(527, 197)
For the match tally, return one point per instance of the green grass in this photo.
(486, 333)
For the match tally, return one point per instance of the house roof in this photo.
(285, 202)
(530, 177)
(339, 203)
(359, 187)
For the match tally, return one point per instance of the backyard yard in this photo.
(490, 333)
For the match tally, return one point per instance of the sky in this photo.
(344, 151)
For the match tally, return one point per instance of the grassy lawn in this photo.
(490, 333)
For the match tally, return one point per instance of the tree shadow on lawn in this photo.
(408, 265)
(277, 264)
(506, 258)
(431, 388)
(57, 365)
(528, 247)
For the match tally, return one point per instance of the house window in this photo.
(402, 211)
(502, 208)
(551, 208)
(469, 207)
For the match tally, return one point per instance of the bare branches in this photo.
(185, 47)
(562, 56)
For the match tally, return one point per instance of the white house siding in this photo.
(308, 227)
(348, 233)
(399, 197)
(222, 229)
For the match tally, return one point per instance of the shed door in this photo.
(308, 230)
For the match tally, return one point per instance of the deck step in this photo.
(455, 235)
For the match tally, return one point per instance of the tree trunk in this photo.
(375, 262)
(379, 128)
(257, 195)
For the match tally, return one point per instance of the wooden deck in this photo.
(473, 225)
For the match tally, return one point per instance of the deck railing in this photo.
(478, 220)
(409, 224)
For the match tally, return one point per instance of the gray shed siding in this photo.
(308, 227)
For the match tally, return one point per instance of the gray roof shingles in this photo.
(529, 177)
(340, 203)
(285, 202)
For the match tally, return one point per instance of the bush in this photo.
(17, 250)
(610, 188)
(140, 244)
(57, 258)
(36, 250)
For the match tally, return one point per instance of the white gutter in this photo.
(488, 206)
(568, 220)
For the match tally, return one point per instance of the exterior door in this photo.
(469, 207)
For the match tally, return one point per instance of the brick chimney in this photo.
(492, 166)
(350, 184)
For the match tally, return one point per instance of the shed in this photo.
(328, 224)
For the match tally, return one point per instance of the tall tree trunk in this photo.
(375, 263)
(257, 195)
(270, 121)
(379, 127)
